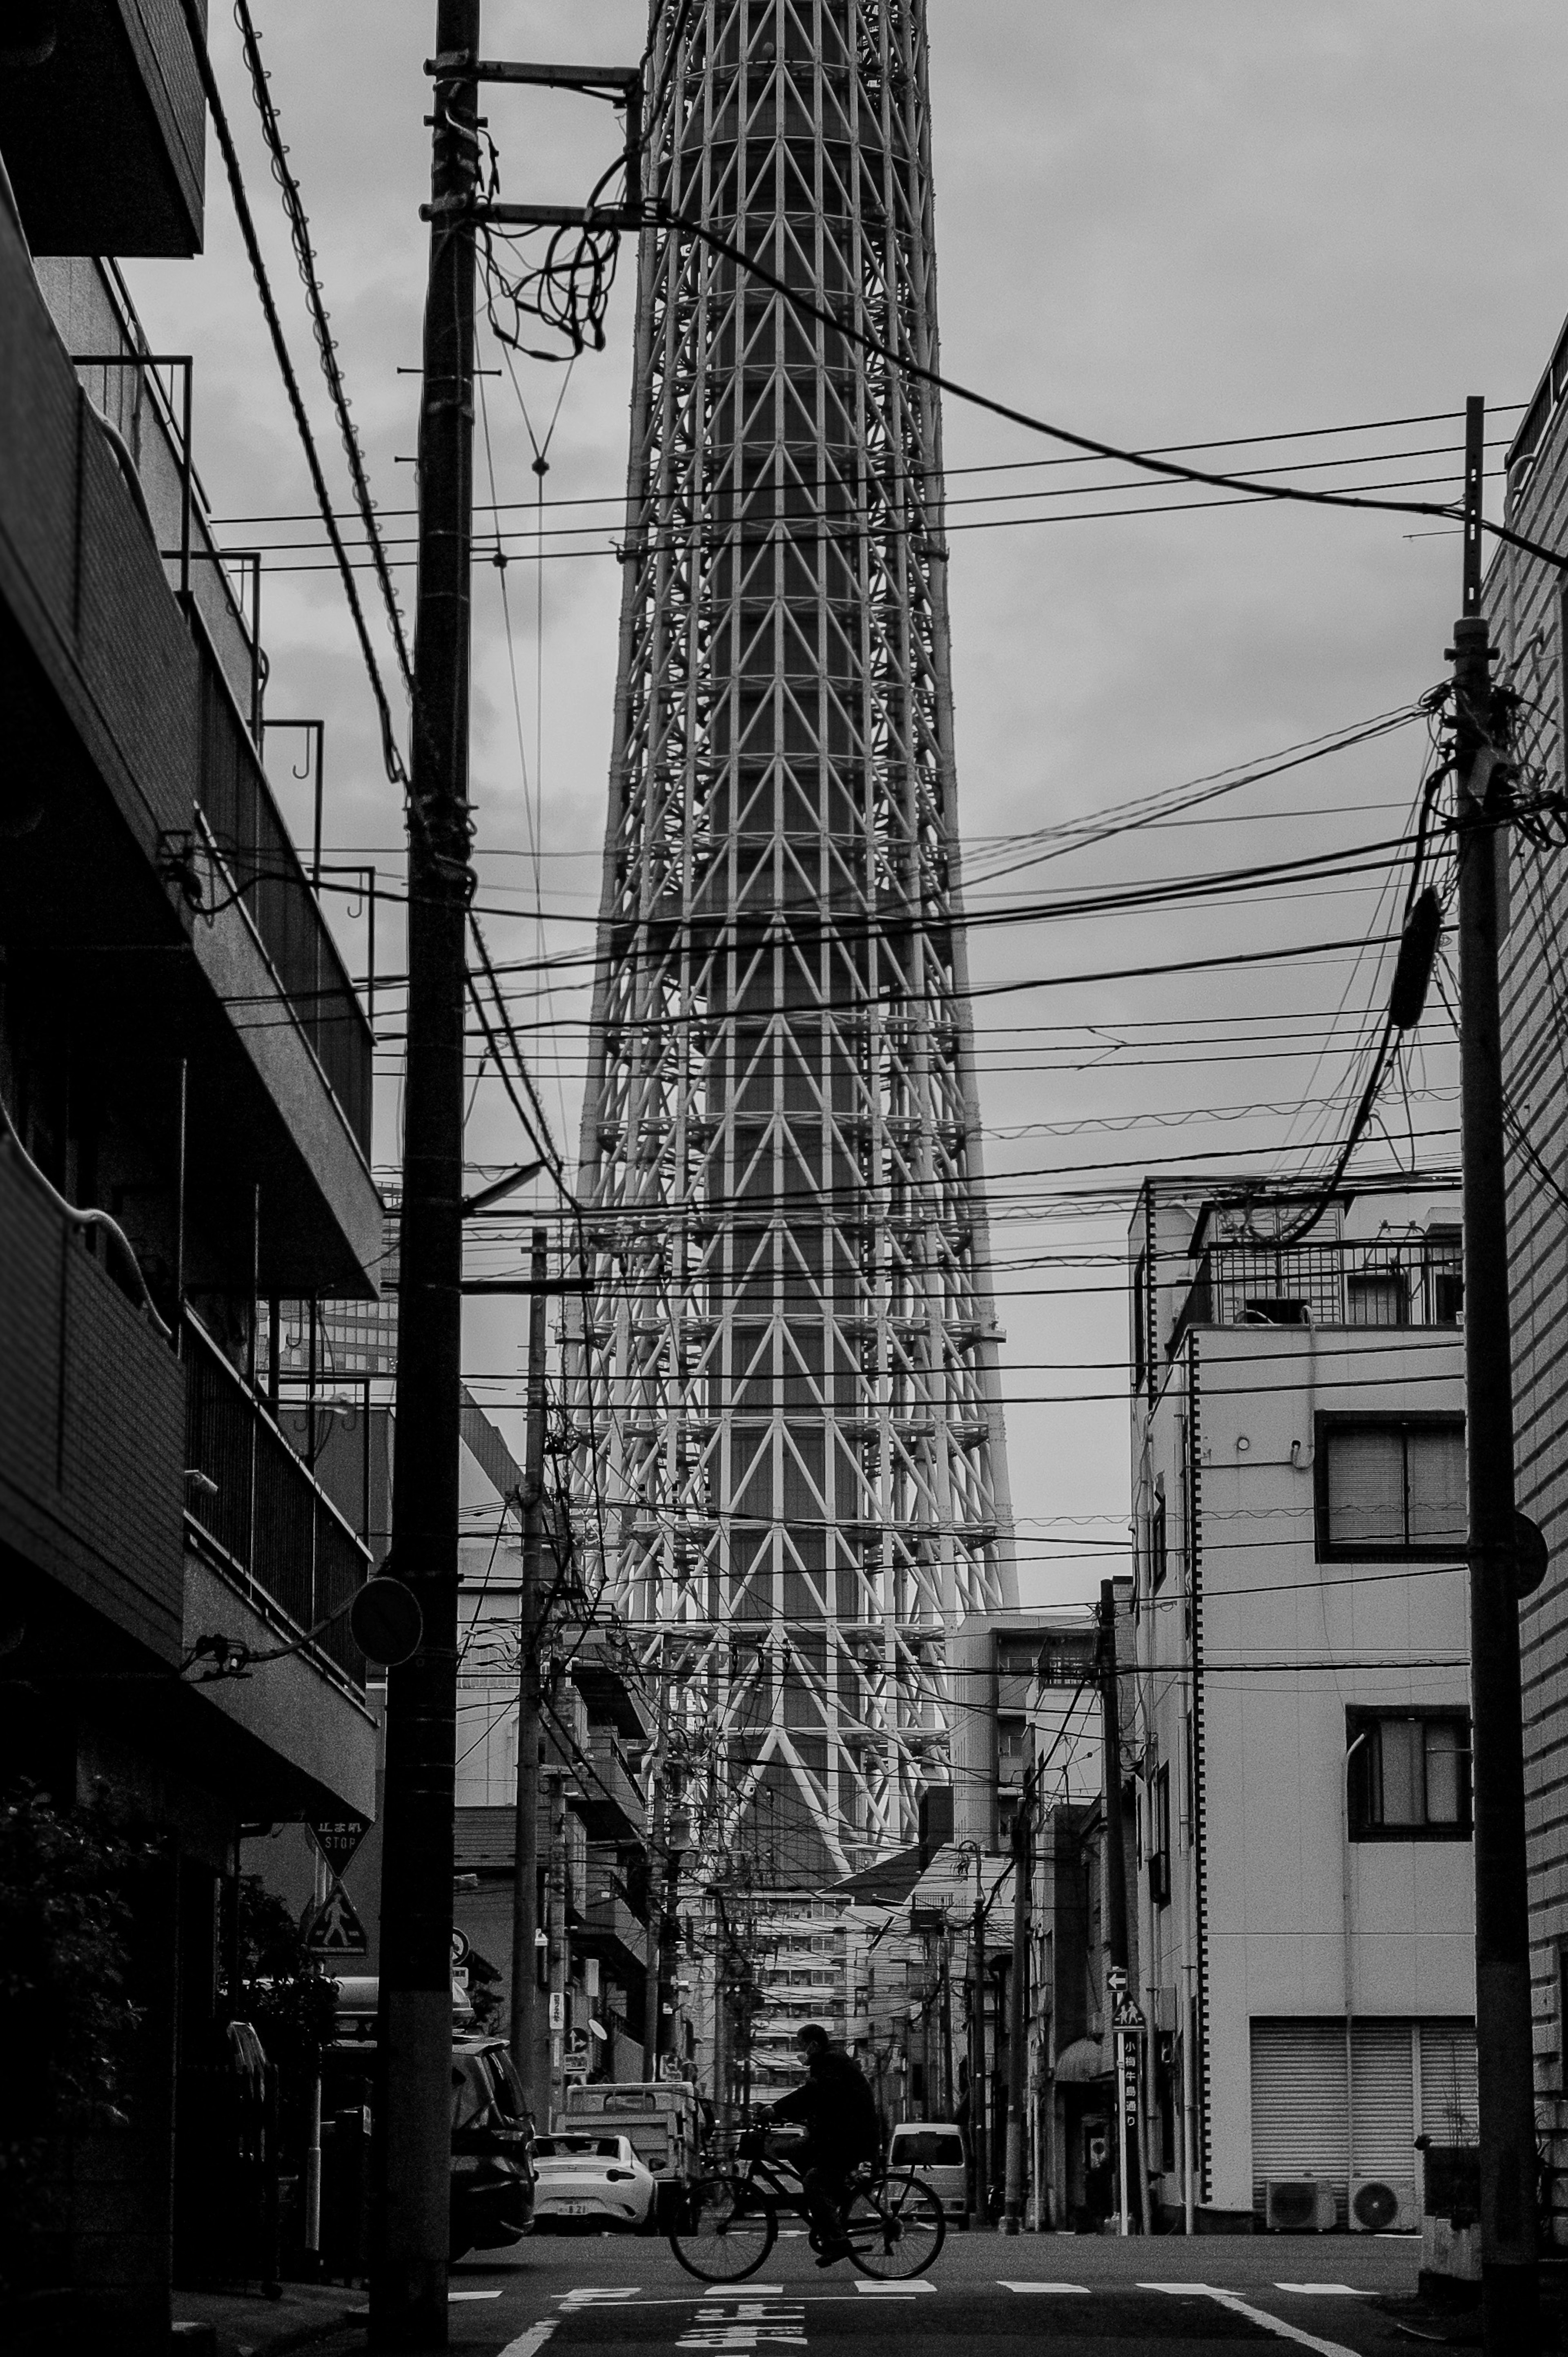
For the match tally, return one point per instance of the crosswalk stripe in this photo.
(743, 2291)
(1278, 2325)
(1007, 2285)
(894, 2290)
(529, 2344)
(1328, 2290)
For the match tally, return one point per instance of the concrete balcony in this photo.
(150, 891)
(607, 1929)
(255, 1511)
(610, 1802)
(104, 137)
(91, 1423)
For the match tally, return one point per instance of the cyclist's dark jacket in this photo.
(835, 2105)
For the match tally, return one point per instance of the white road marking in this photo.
(894, 2290)
(1240, 2306)
(1328, 2290)
(592, 2295)
(1007, 2285)
(744, 2323)
(752, 2291)
(529, 2344)
(473, 2295)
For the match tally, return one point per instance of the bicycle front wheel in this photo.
(725, 2231)
(894, 2226)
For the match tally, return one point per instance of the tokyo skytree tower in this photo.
(790, 1463)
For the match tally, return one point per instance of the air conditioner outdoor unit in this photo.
(1384, 2205)
(1298, 2205)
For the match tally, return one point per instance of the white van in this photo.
(935, 2150)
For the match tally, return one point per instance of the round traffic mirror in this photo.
(386, 1621)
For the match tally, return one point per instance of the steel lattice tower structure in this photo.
(790, 1430)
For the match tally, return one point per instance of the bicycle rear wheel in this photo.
(726, 2230)
(894, 2226)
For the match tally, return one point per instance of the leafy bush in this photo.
(68, 2019)
(290, 2004)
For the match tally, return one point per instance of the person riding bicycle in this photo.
(839, 2114)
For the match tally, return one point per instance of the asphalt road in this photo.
(1070, 2296)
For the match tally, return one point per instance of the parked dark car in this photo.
(492, 2138)
(492, 2131)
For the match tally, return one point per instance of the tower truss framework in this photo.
(790, 1461)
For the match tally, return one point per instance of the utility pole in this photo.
(1115, 1852)
(1018, 2017)
(525, 1838)
(978, 2107)
(676, 1830)
(653, 1949)
(1510, 2277)
(408, 2279)
(556, 1879)
(944, 2014)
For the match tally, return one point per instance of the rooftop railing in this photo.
(1387, 1282)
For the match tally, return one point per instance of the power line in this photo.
(1147, 460)
(990, 466)
(196, 30)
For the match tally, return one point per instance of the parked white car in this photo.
(590, 2181)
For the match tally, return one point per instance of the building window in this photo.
(1376, 1297)
(1391, 1488)
(1160, 1838)
(1159, 1558)
(1274, 1309)
(1140, 1322)
(1409, 1775)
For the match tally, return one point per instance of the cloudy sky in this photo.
(1163, 222)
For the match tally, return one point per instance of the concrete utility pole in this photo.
(668, 1886)
(978, 2107)
(408, 2279)
(1018, 2017)
(1509, 2277)
(1115, 1851)
(557, 1779)
(525, 1840)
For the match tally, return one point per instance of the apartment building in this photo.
(1301, 1732)
(185, 1106)
(1524, 602)
(597, 1900)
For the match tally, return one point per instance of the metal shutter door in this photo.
(1449, 2108)
(1299, 2116)
(1383, 2095)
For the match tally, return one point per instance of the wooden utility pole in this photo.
(1509, 2277)
(408, 2278)
(525, 1835)
(1018, 2016)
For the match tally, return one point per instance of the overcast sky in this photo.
(1160, 222)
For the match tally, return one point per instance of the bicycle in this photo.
(894, 2223)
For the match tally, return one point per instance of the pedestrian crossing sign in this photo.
(335, 1930)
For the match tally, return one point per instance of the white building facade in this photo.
(1301, 1746)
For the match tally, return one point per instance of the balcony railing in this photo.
(1390, 1282)
(251, 857)
(253, 1505)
